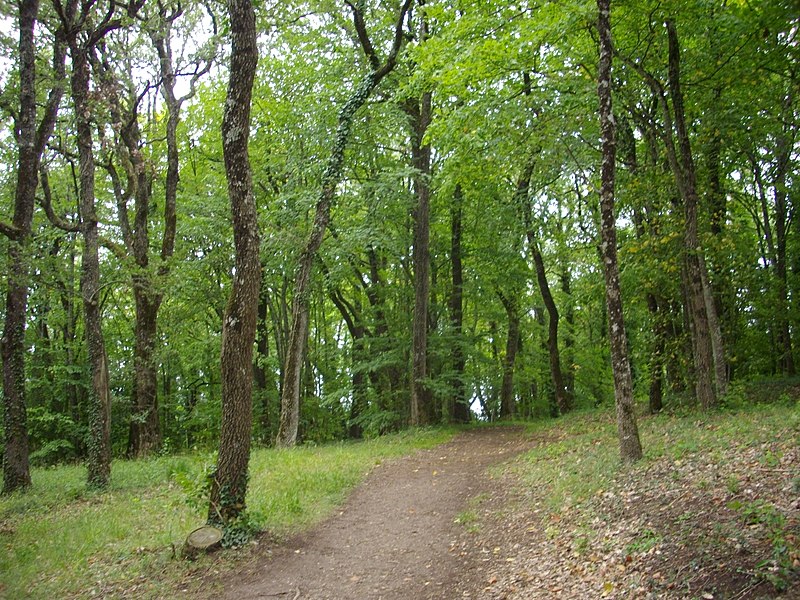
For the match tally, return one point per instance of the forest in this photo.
(315, 220)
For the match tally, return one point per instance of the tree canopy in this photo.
(427, 178)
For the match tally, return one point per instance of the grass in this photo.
(60, 540)
(582, 458)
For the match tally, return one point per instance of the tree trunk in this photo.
(461, 411)
(569, 338)
(16, 469)
(145, 432)
(420, 117)
(99, 454)
(31, 142)
(630, 446)
(656, 393)
(229, 483)
(507, 400)
(704, 356)
(562, 395)
(298, 331)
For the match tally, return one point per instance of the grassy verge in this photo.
(60, 540)
(711, 510)
(581, 456)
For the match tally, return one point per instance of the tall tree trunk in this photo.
(783, 217)
(420, 117)
(229, 483)
(298, 330)
(99, 458)
(507, 399)
(461, 411)
(30, 141)
(704, 355)
(628, 433)
(562, 395)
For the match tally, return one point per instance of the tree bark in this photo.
(229, 483)
(705, 356)
(507, 399)
(420, 117)
(31, 141)
(461, 411)
(298, 330)
(99, 458)
(627, 430)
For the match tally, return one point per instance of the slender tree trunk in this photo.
(569, 338)
(298, 330)
(461, 411)
(420, 116)
(562, 395)
(229, 484)
(630, 446)
(783, 216)
(507, 399)
(99, 454)
(264, 380)
(656, 393)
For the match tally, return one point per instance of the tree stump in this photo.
(202, 539)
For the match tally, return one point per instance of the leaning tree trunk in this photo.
(563, 396)
(229, 483)
(298, 330)
(630, 446)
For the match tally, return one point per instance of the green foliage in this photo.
(54, 437)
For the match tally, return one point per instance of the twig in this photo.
(747, 589)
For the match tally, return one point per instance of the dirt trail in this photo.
(396, 536)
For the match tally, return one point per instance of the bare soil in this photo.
(450, 523)
(398, 536)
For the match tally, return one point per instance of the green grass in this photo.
(60, 540)
(582, 456)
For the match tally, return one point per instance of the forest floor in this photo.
(713, 512)
(396, 537)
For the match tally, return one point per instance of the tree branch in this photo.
(47, 203)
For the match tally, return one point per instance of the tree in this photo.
(31, 139)
(229, 481)
(146, 281)
(419, 113)
(461, 411)
(298, 333)
(82, 38)
(627, 431)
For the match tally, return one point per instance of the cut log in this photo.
(203, 539)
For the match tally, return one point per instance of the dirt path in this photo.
(396, 537)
